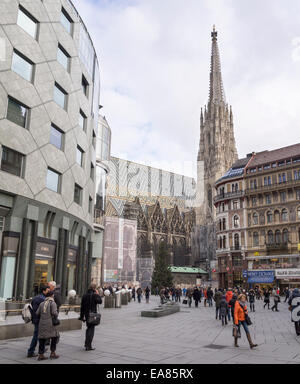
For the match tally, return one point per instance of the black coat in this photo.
(89, 303)
(35, 303)
(196, 295)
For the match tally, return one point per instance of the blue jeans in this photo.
(245, 326)
(228, 314)
(34, 340)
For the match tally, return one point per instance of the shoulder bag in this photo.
(94, 317)
(247, 318)
(55, 320)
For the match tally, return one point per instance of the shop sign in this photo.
(256, 253)
(44, 250)
(260, 276)
(245, 274)
(287, 273)
(299, 247)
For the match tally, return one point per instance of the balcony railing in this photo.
(263, 188)
(228, 195)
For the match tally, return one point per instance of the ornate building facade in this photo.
(258, 220)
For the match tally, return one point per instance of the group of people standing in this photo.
(44, 310)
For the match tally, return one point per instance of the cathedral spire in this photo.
(216, 91)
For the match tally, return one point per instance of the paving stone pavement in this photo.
(192, 336)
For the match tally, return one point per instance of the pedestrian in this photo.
(139, 293)
(156, 291)
(210, 295)
(224, 310)
(48, 317)
(35, 303)
(89, 303)
(184, 292)
(162, 295)
(228, 297)
(217, 298)
(189, 295)
(276, 301)
(231, 305)
(147, 294)
(267, 299)
(196, 296)
(133, 293)
(205, 296)
(287, 294)
(252, 300)
(57, 293)
(240, 315)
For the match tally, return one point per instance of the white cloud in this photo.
(155, 58)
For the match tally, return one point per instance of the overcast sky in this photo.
(155, 57)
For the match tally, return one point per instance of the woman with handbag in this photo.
(89, 314)
(241, 318)
(48, 322)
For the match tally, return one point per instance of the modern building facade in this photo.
(102, 172)
(49, 91)
(262, 222)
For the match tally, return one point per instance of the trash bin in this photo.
(124, 299)
(118, 303)
(109, 302)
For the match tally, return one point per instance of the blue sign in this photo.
(261, 276)
(245, 274)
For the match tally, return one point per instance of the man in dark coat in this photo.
(217, 298)
(210, 294)
(196, 296)
(35, 303)
(89, 303)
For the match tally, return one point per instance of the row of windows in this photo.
(30, 24)
(280, 179)
(273, 198)
(222, 242)
(274, 165)
(13, 162)
(272, 238)
(18, 114)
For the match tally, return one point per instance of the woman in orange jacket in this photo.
(240, 311)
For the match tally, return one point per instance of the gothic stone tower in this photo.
(217, 149)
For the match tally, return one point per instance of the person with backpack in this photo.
(48, 322)
(88, 307)
(32, 316)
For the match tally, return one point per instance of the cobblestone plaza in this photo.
(192, 336)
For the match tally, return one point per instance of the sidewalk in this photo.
(190, 336)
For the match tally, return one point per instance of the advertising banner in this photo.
(261, 276)
(110, 276)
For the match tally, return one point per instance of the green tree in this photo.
(162, 276)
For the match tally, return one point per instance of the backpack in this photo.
(27, 313)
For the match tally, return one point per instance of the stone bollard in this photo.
(109, 302)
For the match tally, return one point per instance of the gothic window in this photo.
(299, 235)
(284, 215)
(283, 197)
(276, 216)
(254, 201)
(268, 199)
(270, 237)
(269, 217)
(285, 236)
(277, 237)
(235, 205)
(220, 225)
(255, 239)
(255, 218)
(236, 241)
(224, 241)
(236, 221)
(224, 224)
(298, 213)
